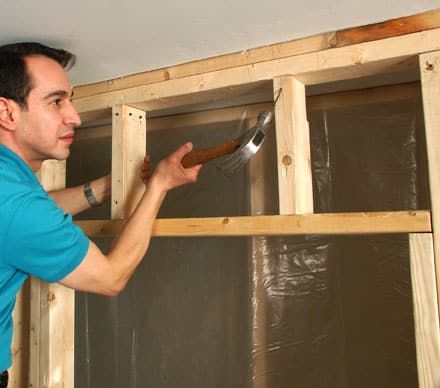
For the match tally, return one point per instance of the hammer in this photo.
(240, 149)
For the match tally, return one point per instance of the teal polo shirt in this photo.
(36, 238)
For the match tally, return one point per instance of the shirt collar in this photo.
(10, 158)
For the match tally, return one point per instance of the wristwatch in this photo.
(88, 193)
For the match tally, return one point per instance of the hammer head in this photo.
(250, 143)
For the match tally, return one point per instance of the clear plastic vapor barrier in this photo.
(275, 312)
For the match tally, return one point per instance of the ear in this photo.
(8, 114)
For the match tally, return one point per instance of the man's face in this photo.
(46, 127)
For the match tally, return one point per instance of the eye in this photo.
(56, 101)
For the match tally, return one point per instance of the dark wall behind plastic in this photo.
(337, 311)
(183, 320)
(374, 160)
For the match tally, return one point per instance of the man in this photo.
(37, 236)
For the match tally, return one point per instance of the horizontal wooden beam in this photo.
(360, 60)
(391, 28)
(376, 95)
(327, 224)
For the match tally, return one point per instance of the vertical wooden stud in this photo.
(52, 314)
(426, 320)
(128, 151)
(293, 147)
(18, 373)
(258, 305)
(430, 83)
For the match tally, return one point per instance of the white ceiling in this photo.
(113, 38)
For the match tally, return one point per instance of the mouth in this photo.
(67, 138)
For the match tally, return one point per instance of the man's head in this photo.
(37, 117)
(15, 80)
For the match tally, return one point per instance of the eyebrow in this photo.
(58, 93)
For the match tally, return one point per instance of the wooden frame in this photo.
(430, 81)
(287, 225)
(128, 150)
(426, 317)
(52, 345)
(255, 78)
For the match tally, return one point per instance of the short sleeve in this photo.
(43, 241)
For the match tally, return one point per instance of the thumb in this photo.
(183, 150)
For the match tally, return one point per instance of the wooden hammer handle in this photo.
(206, 154)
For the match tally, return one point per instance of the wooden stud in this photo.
(52, 314)
(293, 147)
(290, 225)
(35, 332)
(258, 206)
(430, 83)
(18, 373)
(128, 151)
(425, 303)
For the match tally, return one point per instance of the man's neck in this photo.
(35, 165)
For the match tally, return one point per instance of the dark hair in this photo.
(15, 81)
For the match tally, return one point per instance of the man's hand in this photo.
(170, 173)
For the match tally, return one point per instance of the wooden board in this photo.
(328, 224)
(330, 65)
(430, 84)
(128, 151)
(400, 26)
(426, 320)
(293, 147)
(52, 314)
(376, 95)
(258, 192)
(19, 371)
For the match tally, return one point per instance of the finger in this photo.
(193, 172)
(182, 151)
(147, 160)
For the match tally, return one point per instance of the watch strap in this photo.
(88, 193)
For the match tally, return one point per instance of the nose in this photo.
(72, 117)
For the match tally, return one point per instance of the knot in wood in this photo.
(50, 297)
(287, 160)
(429, 66)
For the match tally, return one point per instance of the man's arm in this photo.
(72, 200)
(108, 274)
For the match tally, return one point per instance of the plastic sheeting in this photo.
(339, 310)
(272, 312)
(183, 320)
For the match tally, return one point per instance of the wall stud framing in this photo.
(388, 29)
(52, 306)
(429, 65)
(361, 60)
(52, 321)
(426, 318)
(128, 151)
(293, 147)
(20, 343)
(258, 206)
